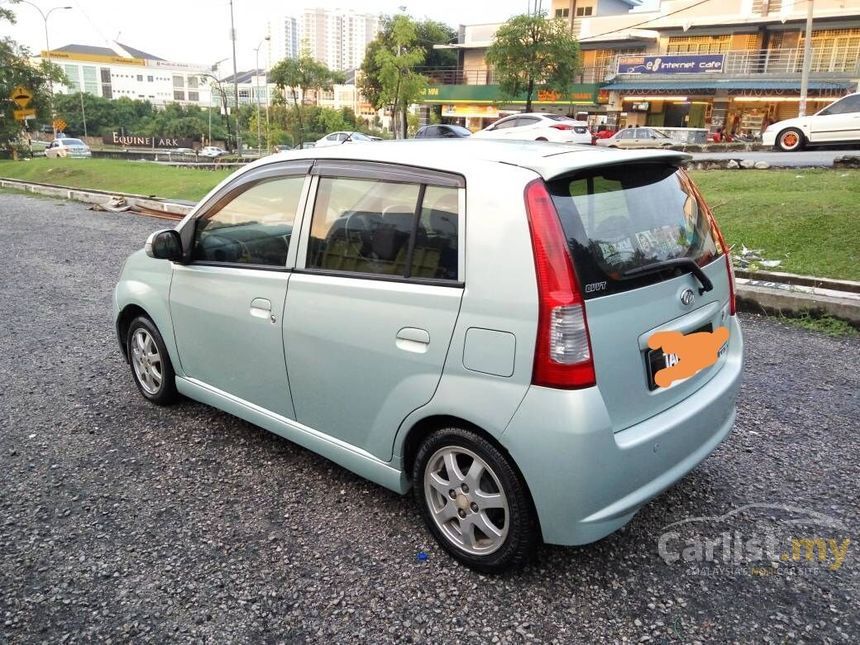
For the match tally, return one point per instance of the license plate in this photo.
(656, 360)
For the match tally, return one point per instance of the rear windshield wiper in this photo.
(677, 263)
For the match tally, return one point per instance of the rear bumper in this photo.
(587, 481)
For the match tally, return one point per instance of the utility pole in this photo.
(235, 80)
(45, 17)
(257, 73)
(807, 60)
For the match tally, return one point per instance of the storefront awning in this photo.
(716, 84)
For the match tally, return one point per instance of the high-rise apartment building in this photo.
(283, 39)
(337, 37)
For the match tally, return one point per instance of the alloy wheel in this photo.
(146, 361)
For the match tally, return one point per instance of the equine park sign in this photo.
(137, 141)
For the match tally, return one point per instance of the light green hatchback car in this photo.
(535, 338)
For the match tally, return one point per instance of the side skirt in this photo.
(355, 459)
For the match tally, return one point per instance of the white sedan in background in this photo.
(337, 138)
(537, 126)
(638, 138)
(68, 147)
(839, 122)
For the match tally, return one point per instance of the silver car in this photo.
(638, 138)
(68, 147)
(535, 339)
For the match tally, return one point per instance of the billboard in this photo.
(672, 64)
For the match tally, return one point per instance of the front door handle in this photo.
(261, 308)
(412, 339)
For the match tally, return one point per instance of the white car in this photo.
(212, 151)
(67, 147)
(537, 126)
(638, 138)
(338, 138)
(839, 122)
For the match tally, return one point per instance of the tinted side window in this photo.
(367, 226)
(526, 120)
(254, 227)
(845, 106)
(505, 123)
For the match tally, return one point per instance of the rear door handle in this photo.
(261, 308)
(412, 339)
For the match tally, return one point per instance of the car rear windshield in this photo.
(72, 142)
(618, 218)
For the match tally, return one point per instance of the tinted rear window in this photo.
(619, 218)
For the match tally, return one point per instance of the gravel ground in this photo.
(122, 521)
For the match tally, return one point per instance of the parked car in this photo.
(67, 147)
(838, 123)
(473, 320)
(212, 151)
(537, 126)
(338, 138)
(637, 138)
(442, 131)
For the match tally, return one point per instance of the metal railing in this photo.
(486, 76)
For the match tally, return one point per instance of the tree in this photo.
(301, 76)
(17, 70)
(389, 70)
(530, 54)
(427, 34)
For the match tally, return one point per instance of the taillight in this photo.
(562, 126)
(563, 357)
(729, 268)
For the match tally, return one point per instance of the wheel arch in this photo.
(426, 426)
(123, 322)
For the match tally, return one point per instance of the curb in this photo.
(763, 296)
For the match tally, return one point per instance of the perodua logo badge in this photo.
(687, 297)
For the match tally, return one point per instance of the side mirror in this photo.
(164, 245)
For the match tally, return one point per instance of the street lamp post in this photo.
(45, 17)
(257, 72)
(235, 80)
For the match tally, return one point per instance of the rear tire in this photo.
(474, 501)
(790, 140)
(150, 364)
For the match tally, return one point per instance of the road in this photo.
(127, 522)
(804, 158)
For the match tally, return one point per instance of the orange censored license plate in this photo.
(674, 356)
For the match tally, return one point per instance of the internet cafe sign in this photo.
(136, 141)
(672, 64)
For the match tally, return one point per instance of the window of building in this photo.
(833, 50)
(254, 228)
(149, 79)
(193, 96)
(361, 226)
(193, 82)
(584, 11)
(140, 78)
(699, 44)
(178, 81)
(562, 13)
(178, 95)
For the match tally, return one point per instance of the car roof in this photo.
(461, 155)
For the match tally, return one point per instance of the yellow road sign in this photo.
(21, 115)
(59, 125)
(22, 96)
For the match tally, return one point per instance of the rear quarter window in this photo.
(619, 218)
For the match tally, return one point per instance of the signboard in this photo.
(59, 125)
(469, 110)
(672, 64)
(23, 115)
(21, 96)
(138, 141)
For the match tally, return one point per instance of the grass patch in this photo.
(825, 324)
(808, 218)
(137, 177)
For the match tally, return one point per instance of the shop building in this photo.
(735, 64)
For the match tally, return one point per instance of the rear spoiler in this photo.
(566, 163)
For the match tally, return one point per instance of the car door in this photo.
(374, 299)
(227, 298)
(839, 121)
(527, 127)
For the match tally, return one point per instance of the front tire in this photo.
(151, 368)
(790, 140)
(474, 501)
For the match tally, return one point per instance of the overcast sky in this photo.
(198, 31)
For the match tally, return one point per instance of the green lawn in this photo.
(809, 219)
(138, 177)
